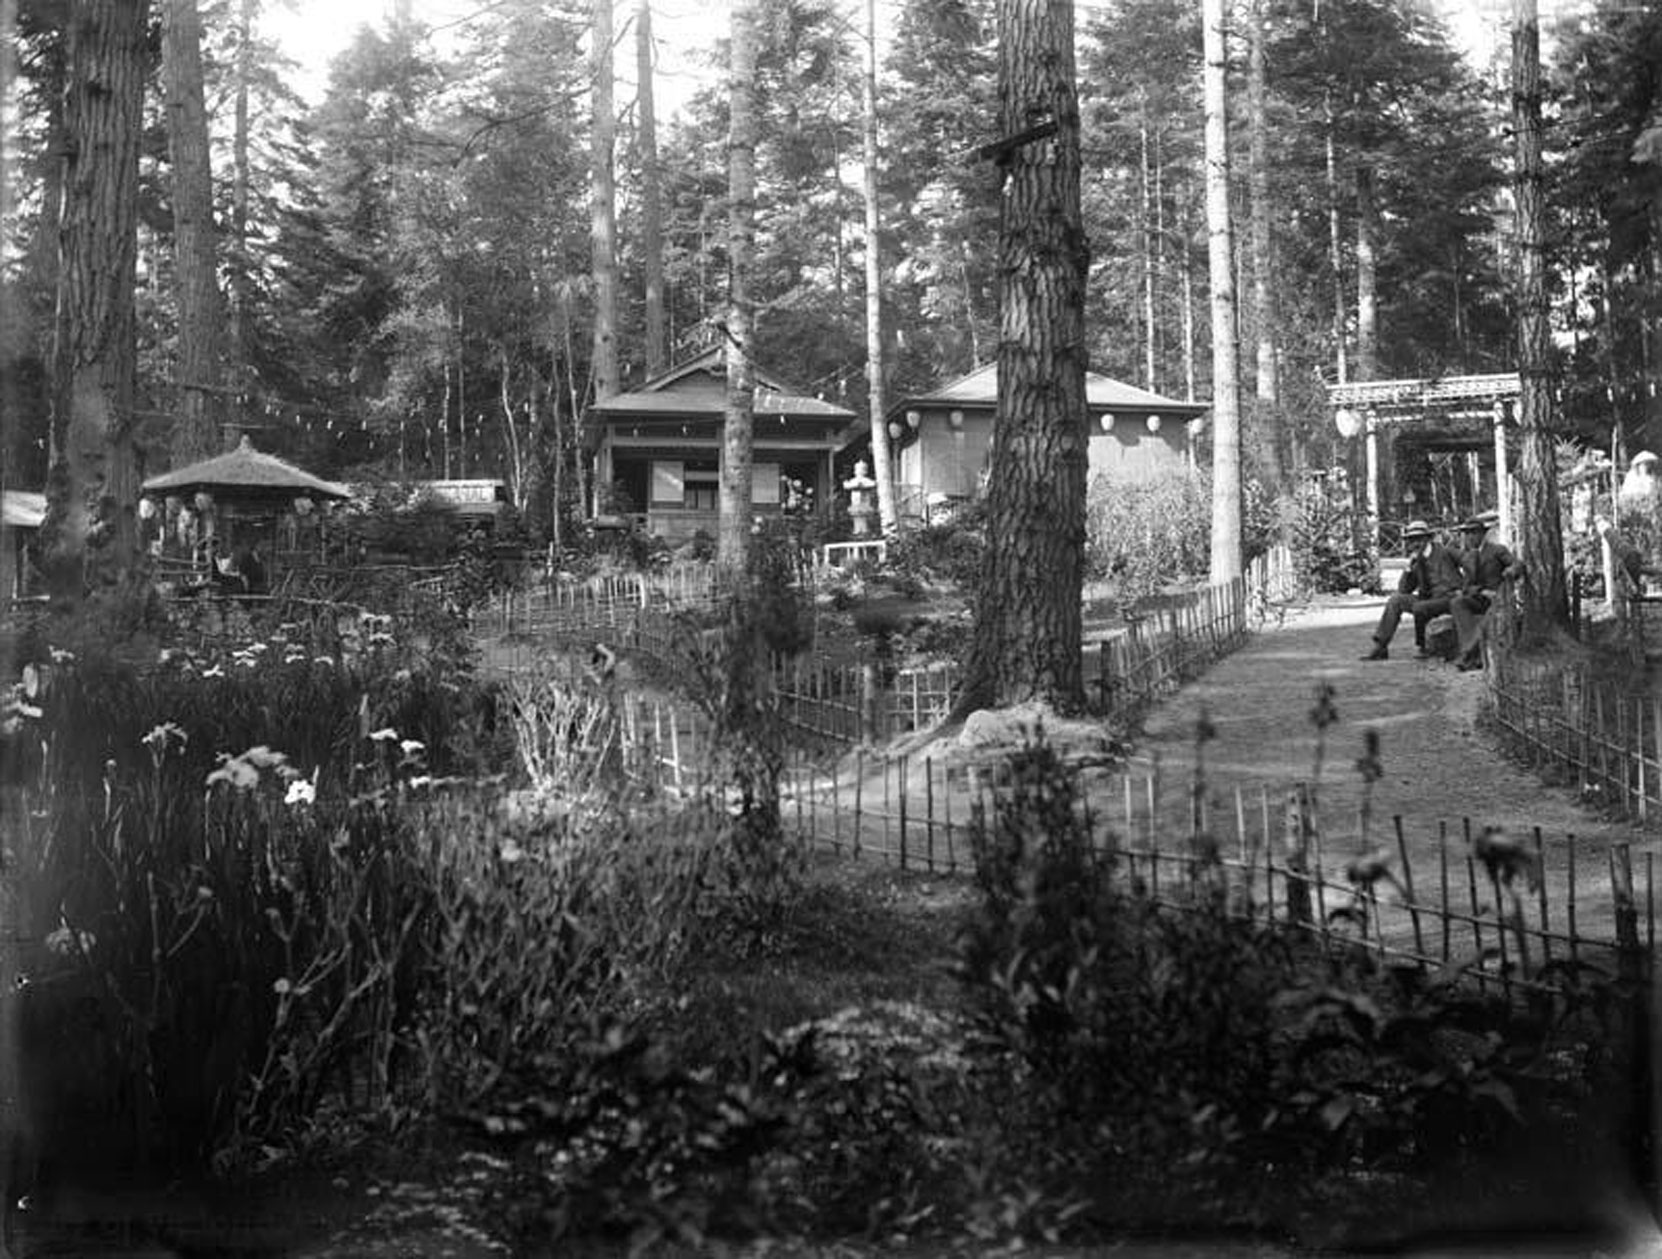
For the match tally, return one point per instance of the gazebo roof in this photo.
(244, 472)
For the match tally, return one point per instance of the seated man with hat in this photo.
(1427, 589)
(1484, 566)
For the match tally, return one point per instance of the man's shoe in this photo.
(1378, 653)
(1470, 663)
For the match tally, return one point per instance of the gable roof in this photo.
(1102, 393)
(245, 469)
(700, 385)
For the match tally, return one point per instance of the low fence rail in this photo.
(1564, 720)
(1430, 894)
(1171, 641)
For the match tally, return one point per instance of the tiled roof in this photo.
(699, 386)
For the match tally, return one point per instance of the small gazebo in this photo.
(243, 497)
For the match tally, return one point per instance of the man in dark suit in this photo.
(1484, 565)
(1426, 590)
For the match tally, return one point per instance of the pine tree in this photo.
(1028, 625)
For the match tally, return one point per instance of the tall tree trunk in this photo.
(735, 497)
(200, 401)
(1540, 541)
(603, 208)
(652, 210)
(241, 277)
(1028, 627)
(1367, 287)
(1188, 311)
(881, 460)
(90, 534)
(1335, 249)
(1146, 234)
(1227, 557)
(1266, 385)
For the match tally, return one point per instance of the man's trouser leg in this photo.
(1469, 611)
(1425, 612)
(1394, 608)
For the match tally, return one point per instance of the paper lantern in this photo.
(955, 419)
(204, 501)
(1153, 423)
(147, 509)
(1107, 422)
(1348, 422)
(913, 419)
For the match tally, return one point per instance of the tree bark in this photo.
(735, 498)
(1367, 287)
(1540, 540)
(241, 292)
(603, 208)
(1028, 626)
(196, 430)
(90, 533)
(1335, 250)
(652, 211)
(1146, 234)
(1266, 385)
(1227, 560)
(881, 458)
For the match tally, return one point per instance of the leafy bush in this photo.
(946, 553)
(1143, 535)
(1119, 1007)
(1331, 548)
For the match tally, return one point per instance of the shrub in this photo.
(947, 553)
(1143, 535)
(1331, 548)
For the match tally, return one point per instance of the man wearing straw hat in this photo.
(1427, 589)
(1484, 565)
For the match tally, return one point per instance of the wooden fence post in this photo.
(1629, 960)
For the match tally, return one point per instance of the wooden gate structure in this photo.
(1410, 426)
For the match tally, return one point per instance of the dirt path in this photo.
(1440, 769)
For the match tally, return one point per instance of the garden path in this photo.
(1439, 766)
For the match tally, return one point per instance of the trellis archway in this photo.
(1439, 443)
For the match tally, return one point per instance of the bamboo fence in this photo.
(1424, 896)
(1605, 737)
(869, 701)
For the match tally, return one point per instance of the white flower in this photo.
(421, 780)
(234, 772)
(384, 735)
(282, 987)
(300, 792)
(61, 657)
(64, 942)
(215, 672)
(324, 660)
(511, 852)
(412, 746)
(160, 737)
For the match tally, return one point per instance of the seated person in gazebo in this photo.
(252, 570)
